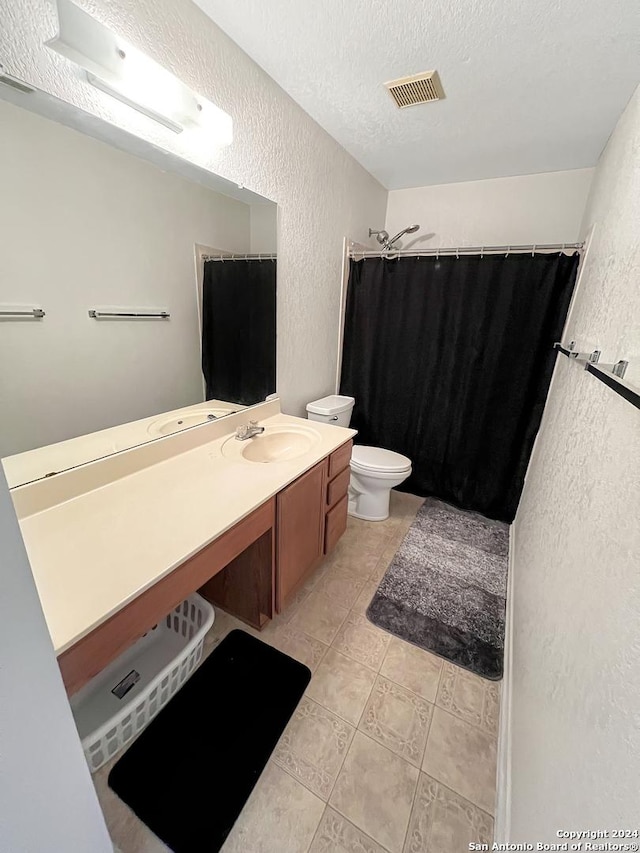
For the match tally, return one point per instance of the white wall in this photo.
(575, 718)
(47, 801)
(84, 224)
(278, 151)
(544, 208)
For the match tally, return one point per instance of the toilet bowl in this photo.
(374, 471)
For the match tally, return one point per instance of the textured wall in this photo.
(576, 636)
(544, 208)
(278, 151)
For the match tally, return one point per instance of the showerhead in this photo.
(388, 244)
(381, 236)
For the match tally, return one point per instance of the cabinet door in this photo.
(336, 524)
(300, 530)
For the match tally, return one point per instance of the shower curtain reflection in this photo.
(239, 329)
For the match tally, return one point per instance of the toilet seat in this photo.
(378, 460)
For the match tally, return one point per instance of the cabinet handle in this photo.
(335, 418)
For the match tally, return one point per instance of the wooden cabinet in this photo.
(335, 524)
(266, 556)
(247, 546)
(300, 531)
(339, 459)
(337, 496)
(338, 487)
(311, 517)
(244, 588)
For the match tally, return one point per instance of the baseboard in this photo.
(502, 828)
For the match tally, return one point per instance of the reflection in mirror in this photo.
(238, 328)
(182, 274)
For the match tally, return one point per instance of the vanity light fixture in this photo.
(121, 96)
(116, 67)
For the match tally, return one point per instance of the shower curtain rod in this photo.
(262, 256)
(464, 250)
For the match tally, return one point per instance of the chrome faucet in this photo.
(248, 431)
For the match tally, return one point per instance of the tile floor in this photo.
(391, 750)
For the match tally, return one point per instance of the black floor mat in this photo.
(191, 771)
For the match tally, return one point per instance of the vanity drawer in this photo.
(338, 487)
(339, 459)
(335, 524)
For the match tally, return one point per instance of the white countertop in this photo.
(22, 468)
(95, 544)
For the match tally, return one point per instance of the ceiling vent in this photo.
(419, 89)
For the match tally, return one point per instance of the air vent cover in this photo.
(419, 89)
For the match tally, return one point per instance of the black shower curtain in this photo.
(449, 360)
(239, 329)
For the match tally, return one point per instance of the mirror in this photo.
(137, 291)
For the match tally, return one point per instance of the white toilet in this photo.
(374, 471)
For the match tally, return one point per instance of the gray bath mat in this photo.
(446, 588)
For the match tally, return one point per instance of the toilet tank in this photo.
(334, 410)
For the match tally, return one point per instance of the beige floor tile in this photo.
(444, 822)
(281, 816)
(313, 747)
(398, 537)
(413, 668)
(342, 685)
(398, 719)
(356, 525)
(375, 791)
(294, 603)
(225, 623)
(222, 624)
(473, 699)
(371, 539)
(319, 616)
(358, 563)
(404, 505)
(364, 599)
(362, 641)
(304, 591)
(386, 558)
(340, 586)
(299, 645)
(337, 835)
(126, 831)
(463, 758)
(380, 569)
(380, 528)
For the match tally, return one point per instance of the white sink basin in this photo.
(167, 426)
(275, 444)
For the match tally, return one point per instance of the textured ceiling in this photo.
(531, 86)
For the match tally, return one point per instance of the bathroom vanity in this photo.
(115, 544)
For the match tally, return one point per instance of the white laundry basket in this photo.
(122, 699)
